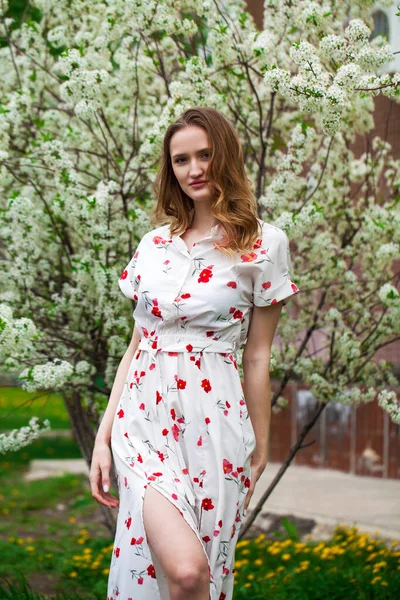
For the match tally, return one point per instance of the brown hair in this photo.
(234, 203)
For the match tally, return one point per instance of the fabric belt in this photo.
(171, 343)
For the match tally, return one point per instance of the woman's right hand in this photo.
(99, 475)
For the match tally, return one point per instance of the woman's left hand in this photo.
(257, 466)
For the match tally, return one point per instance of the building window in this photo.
(381, 24)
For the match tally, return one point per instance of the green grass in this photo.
(18, 406)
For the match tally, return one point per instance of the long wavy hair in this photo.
(234, 204)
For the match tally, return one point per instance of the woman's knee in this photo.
(192, 575)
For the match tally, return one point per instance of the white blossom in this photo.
(18, 438)
(389, 402)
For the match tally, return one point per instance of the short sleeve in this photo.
(273, 281)
(130, 279)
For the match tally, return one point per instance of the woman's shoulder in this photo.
(270, 231)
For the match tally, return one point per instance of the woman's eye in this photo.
(204, 155)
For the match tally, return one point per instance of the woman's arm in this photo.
(256, 384)
(101, 459)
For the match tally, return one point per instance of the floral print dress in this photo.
(182, 424)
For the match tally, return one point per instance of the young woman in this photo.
(188, 442)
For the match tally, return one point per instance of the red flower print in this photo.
(175, 497)
(266, 285)
(216, 532)
(185, 296)
(227, 404)
(237, 314)
(205, 276)
(185, 471)
(209, 333)
(173, 415)
(205, 384)
(160, 456)
(128, 522)
(206, 538)
(273, 301)
(257, 243)
(156, 312)
(248, 257)
(227, 466)
(189, 348)
(247, 483)
(175, 432)
(165, 431)
(120, 413)
(139, 458)
(142, 406)
(222, 596)
(294, 287)
(158, 474)
(225, 570)
(157, 239)
(124, 275)
(220, 523)
(116, 552)
(181, 384)
(200, 441)
(207, 504)
(232, 284)
(140, 580)
(151, 572)
(135, 541)
(207, 420)
(158, 397)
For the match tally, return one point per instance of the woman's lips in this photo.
(198, 185)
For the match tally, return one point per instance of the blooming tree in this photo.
(88, 90)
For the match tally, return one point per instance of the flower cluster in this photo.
(18, 438)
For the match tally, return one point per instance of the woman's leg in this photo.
(176, 547)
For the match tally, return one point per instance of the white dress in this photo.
(182, 423)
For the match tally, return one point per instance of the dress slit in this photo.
(163, 593)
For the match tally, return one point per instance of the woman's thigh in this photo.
(173, 541)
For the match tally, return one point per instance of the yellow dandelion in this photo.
(72, 519)
(286, 556)
(73, 574)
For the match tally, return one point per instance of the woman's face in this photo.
(190, 156)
